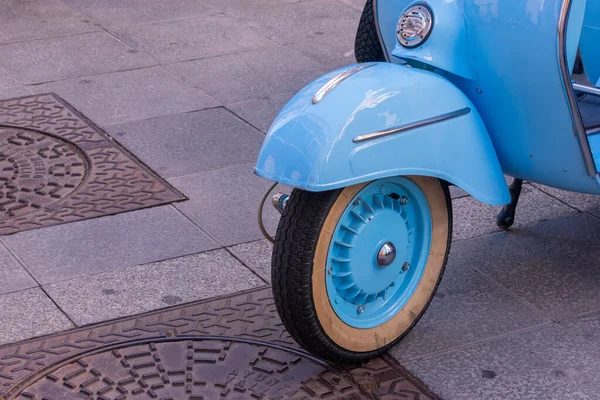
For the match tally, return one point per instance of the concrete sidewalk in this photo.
(190, 87)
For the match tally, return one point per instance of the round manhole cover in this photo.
(36, 170)
(193, 370)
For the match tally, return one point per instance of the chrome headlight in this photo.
(414, 26)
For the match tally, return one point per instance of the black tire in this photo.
(367, 47)
(292, 269)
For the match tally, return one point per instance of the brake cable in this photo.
(261, 206)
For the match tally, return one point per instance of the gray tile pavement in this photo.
(256, 74)
(237, 8)
(67, 57)
(456, 192)
(29, 313)
(322, 29)
(547, 362)
(11, 92)
(36, 19)
(261, 112)
(224, 203)
(473, 218)
(129, 95)
(62, 252)
(552, 266)
(256, 256)
(190, 142)
(138, 11)
(466, 308)
(13, 276)
(148, 287)
(580, 201)
(294, 22)
(6, 79)
(356, 4)
(191, 38)
(586, 326)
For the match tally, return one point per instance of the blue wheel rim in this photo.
(362, 292)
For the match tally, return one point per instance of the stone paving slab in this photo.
(473, 218)
(191, 38)
(37, 19)
(7, 80)
(356, 4)
(13, 277)
(29, 313)
(129, 95)
(190, 142)
(224, 203)
(293, 22)
(139, 11)
(586, 326)
(261, 112)
(236, 8)
(324, 30)
(548, 362)
(272, 71)
(11, 92)
(67, 57)
(142, 288)
(466, 308)
(580, 201)
(256, 256)
(83, 248)
(552, 266)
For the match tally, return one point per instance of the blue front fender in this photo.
(310, 146)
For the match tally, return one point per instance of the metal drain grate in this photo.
(57, 167)
(229, 348)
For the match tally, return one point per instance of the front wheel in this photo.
(354, 269)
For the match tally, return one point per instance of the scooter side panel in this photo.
(589, 45)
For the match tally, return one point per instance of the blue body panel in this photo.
(447, 48)
(517, 85)
(589, 45)
(310, 145)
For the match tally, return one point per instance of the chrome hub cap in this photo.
(386, 255)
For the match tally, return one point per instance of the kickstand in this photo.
(506, 217)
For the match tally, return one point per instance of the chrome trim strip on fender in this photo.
(586, 89)
(329, 86)
(578, 127)
(381, 43)
(412, 125)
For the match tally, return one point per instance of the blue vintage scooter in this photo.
(454, 92)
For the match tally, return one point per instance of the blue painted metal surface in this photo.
(521, 94)
(447, 48)
(310, 145)
(595, 145)
(574, 27)
(362, 293)
(589, 44)
(517, 85)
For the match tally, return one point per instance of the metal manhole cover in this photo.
(196, 369)
(229, 348)
(57, 167)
